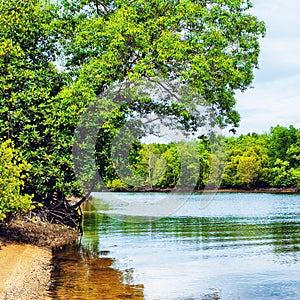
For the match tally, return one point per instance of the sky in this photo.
(275, 96)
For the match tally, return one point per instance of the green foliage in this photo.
(284, 155)
(172, 167)
(282, 175)
(293, 153)
(210, 46)
(245, 164)
(13, 173)
(35, 110)
(281, 138)
(116, 184)
(263, 160)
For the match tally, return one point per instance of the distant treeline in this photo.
(244, 162)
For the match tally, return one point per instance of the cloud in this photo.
(275, 98)
(270, 103)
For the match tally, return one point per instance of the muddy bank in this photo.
(209, 190)
(255, 190)
(25, 257)
(38, 233)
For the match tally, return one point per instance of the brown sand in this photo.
(25, 257)
(24, 272)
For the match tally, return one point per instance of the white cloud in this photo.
(270, 103)
(275, 98)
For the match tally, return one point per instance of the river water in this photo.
(236, 246)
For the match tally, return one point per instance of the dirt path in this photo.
(24, 272)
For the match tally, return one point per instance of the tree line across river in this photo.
(244, 162)
(268, 160)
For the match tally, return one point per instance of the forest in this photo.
(58, 57)
(240, 162)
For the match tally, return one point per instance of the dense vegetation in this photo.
(251, 161)
(264, 160)
(13, 171)
(56, 57)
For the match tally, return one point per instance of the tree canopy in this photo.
(56, 57)
(212, 46)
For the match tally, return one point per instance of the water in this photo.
(237, 246)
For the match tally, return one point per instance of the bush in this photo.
(284, 176)
(13, 170)
(116, 185)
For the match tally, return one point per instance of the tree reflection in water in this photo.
(249, 256)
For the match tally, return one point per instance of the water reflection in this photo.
(81, 274)
(218, 256)
(206, 233)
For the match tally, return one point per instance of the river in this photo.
(234, 246)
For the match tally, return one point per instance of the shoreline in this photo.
(25, 271)
(254, 190)
(26, 257)
(295, 190)
(26, 249)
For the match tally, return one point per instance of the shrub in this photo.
(116, 185)
(13, 170)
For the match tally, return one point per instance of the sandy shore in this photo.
(24, 271)
(25, 257)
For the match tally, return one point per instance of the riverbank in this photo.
(295, 190)
(25, 257)
(254, 190)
